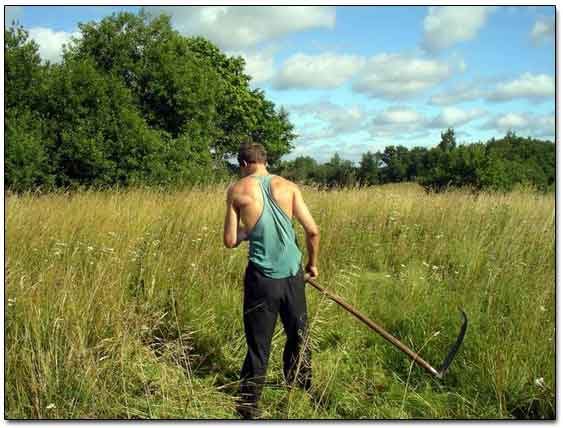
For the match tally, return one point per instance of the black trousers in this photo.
(264, 298)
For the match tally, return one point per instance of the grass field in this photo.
(125, 304)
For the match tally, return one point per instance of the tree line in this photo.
(134, 102)
(498, 164)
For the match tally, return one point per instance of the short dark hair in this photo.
(252, 153)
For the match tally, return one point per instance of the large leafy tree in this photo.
(185, 86)
(27, 163)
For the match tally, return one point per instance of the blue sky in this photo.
(359, 78)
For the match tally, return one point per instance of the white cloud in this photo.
(543, 30)
(238, 27)
(452, 117)
(51, 42)
(336, 119)
(458, 94)
(399, 116)
(396, 76)
(445, 26)
(402, 121)
(398, 122)
(259, 65)
(534, 87)
(317, 71)
(12, 13)
(529, 86)
(541, 126)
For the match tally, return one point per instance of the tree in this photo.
(368, 172)
(23, 72)
(447, 141)
(185, 85)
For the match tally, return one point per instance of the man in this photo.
(274, 281)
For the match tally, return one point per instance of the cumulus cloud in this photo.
(543, 30)
(445, 26)
(317, 71)
(397, 76)
(12, 13)
(398, 122)
(458, 94)
(51, 42)
(259, 65)
(532, 87)
(452, 117)
(237, 27)
(541, 126)
(336, 119)
(404, 121)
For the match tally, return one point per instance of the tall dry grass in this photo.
(124, 304)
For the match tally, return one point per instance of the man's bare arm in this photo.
(302, 214)
(233, 234)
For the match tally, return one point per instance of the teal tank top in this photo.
(273, 248)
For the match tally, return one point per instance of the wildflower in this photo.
(425, 264)
(90, 248)
(12, 302)
(193, 265)
(540, 383)
(402, 265)
(542, 308)
(387, 276)
(434, 267)
(51, 406)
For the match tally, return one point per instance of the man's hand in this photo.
(311, 271)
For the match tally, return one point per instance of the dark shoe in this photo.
(248, 411)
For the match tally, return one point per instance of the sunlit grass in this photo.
(124, 304)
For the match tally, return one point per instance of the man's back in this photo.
(248, 198)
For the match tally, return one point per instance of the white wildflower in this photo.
(51, 406)
(540, 382)
(387, 276)
(542, 308)
(90, 248)
(193, 265)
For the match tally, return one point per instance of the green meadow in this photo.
(125, 304)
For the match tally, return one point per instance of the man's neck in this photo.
(258, 169)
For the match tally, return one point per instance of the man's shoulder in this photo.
(284, 182)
